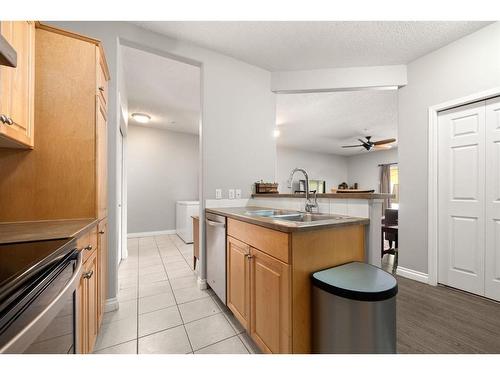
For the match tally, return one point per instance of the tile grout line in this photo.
(173, 294)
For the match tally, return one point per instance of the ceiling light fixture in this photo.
(276, 133)
(141, 117)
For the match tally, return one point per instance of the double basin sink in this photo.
(296, 216)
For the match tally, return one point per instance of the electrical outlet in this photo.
(218, 193)
(231, 193)
(238, 193)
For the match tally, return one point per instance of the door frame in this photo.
(432, 187)
(202, 271)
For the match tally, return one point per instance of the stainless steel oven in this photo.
(38, 282)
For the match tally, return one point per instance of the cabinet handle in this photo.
(88, 275)
(88, 247)
(101, 232)
(101, 88)
(3, 118)
(249, 256)
(9, 121)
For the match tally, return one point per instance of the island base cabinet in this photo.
(238, 280)
(270, 303)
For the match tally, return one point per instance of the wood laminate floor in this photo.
(444, 320)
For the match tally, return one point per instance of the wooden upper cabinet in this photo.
(65, 175)
(102, 161)
(17, 87)
(270, 308)
(238, 280)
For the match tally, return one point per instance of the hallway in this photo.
(162, 310)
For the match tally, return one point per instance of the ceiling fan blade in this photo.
(352, 146)
(384, 141)
(382, 147)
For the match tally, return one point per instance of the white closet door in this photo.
(461, 197)
(492, 256)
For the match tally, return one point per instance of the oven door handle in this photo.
(22, 340)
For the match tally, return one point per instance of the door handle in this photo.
(88, 275)
(215, 223)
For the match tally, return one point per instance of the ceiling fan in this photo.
(369, 144)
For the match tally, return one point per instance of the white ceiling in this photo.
(323, 122)
(288, 45)
(165, 89)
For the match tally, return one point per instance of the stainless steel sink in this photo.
(271, 213)
(290, 215)
(307, 217)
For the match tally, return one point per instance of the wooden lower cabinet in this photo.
(88, 303)
(102, 248)
(238, 280)
(269, 279)
(270, 306)
(91, 293)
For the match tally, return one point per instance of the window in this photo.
(395, 186)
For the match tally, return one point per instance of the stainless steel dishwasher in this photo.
(216, 254)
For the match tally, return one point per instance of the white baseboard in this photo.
(413, 275)
(111, 304)
(149, 234)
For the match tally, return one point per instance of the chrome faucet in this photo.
(309, 204)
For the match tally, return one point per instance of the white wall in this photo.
(238, 115)
(466, 66)
(321, 166)
(364, 169)
(162, 169)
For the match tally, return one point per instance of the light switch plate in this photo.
(231, 193)
(218, 193)
(238, 193)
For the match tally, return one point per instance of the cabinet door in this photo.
(102, 168)
(81, 316)
(17, 87)
(238, 280)
(270, 311)
(102, 248)
(90, 276)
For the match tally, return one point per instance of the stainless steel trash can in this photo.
(354, 310)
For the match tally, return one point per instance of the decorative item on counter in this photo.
(262, 187)
(343, 185)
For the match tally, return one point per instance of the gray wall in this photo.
(162, 169)
(322, 166)
(466, 66)
(364, 170)
(238, 116)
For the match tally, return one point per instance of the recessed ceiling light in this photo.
(141, 117)
(276, 133)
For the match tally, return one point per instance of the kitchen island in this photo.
(270, 255)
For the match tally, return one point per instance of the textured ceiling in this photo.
(324, 122)
(288, 45)
(165, 89)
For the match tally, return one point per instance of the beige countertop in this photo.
(244, 214)
(329, 195)
(24, 231)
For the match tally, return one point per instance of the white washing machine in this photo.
(183, 220)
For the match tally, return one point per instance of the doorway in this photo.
(158, 154)
(468, 165)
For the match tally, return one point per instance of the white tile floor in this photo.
(162, 310)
